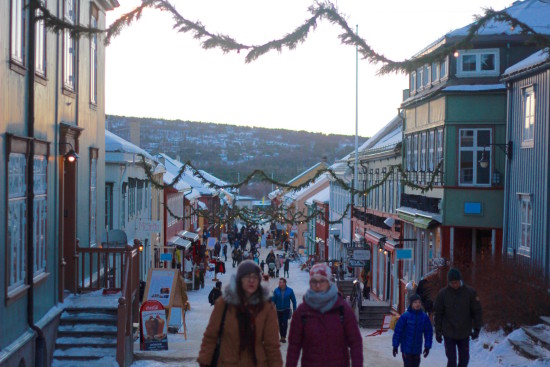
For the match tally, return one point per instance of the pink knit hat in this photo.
(321, 270)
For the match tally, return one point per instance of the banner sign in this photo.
(148, 226)
(361, 254)
(153, 326)
(354, 263)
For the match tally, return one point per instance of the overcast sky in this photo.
(153, 71)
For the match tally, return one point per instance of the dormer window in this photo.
(478, 63)
(413, 81)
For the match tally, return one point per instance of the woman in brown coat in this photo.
(251, 331)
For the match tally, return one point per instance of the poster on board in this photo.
(160, 285)
(153, 326)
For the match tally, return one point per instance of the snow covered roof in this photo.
(173, 166)
(534, 13)
(538, 58)
(322, 196)
(114, 143)
(310, 169)
(168, 178)
(473, 87)
(225, 194)
(295, 195)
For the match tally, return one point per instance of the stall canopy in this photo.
(190, 236)
(179, 242)
(418, 218)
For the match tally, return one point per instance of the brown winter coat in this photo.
(267, 347)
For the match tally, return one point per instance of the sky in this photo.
(154, 71)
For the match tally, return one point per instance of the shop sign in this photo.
(153, 326)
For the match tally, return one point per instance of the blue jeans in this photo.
(283, 315)
(463, 346)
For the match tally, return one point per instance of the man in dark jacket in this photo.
(457, 318)
(215, 293)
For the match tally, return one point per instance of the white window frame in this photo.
(40, 216)
(528, 117)
(69, 46)
(16, 231)
(409, 152)
(17, 29)
(439, 141)
(431, 150)
(427, 76)
(419, 78)
(434, 72)
(478, 53)
(415, 153)
(526, 224)
(423, 150)
(413, 81)
(93, 197)
(40, 46)
(443, 68)
(93, 56)
(475, 148)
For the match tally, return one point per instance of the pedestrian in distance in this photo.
(282, 296)
(215, 293)
(324, 327)
(277, 265)
(262, 266)
(458, 316)
(224, 250)
(286, 267)
(248, 324)
(413, 326)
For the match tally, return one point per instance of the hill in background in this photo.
(232, 152)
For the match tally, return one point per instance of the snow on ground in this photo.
(491, 349)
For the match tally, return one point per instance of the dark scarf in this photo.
(246, 317)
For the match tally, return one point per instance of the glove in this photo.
(475, 334)
(394, 351)
(438, 338)
(426, 352)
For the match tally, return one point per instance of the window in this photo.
(383, 208)
(18, 31)
(123, 210)
(68, 46)
(139, 196)
(415, 152)
(431, 151)
(419, 78)
(109, 205)
(391, 193)
(131, 198)
(443, 69)
(425, 75)
(439, 154)
(93, 196)
(413, 81)
(435, 71)
(40, 211)
(93, 57)
(40, 46)
(526, 221)
(409, 153)
(423, 151)
(528, 116)
(472, 145)
(17, 220)
(478, 62)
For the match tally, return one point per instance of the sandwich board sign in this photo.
(166, 287)
(153, 326)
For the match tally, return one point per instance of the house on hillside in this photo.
(53, 110)
(527, 190)
(454, 129)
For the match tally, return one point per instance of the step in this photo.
(529, 349)
(86, 330)
(72, 342)
(68, 362)
(546, 320)
(84, 353)
(88, 318)
(539, 333)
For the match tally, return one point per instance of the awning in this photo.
(190, 236)
(178, 242)
(419, 218)
(375, 237)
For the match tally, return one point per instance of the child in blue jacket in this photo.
(410, 328)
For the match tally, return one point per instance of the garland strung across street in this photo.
(281, 214)
(319, 11)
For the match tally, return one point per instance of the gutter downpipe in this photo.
(40, 340)
(507, 170)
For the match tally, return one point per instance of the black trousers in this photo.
(463, 346)
(283, 315)
(411, 360)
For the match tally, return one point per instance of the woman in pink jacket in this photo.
(324, 326)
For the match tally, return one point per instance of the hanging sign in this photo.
(361, 254)
(404, 254)
(153, 326)
(354, 263)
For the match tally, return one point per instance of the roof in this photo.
(295, 195)
(322, 196)
(473, 87)
(174, 166)
(114, 143)
(537, 59)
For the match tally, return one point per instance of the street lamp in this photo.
(506, 148)
(71, 155)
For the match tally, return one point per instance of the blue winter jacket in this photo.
(282, 301)
(409, 330)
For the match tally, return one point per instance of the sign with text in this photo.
(148, 226)
(361, 254)
(160, 284)
(354, 263)
(153, 326)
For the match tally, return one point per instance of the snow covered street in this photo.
(488, 350)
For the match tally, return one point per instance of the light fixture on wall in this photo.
(71, 155)
(506, 148)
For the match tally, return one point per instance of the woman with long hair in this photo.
(248, 323)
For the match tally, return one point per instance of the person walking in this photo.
(262, 266)
(282, 296)
(277, 265)
(409, 330)
(224, 250)
(248, 322)
(215, 293)
(286, 267)
(458, 316)
(324, 327)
